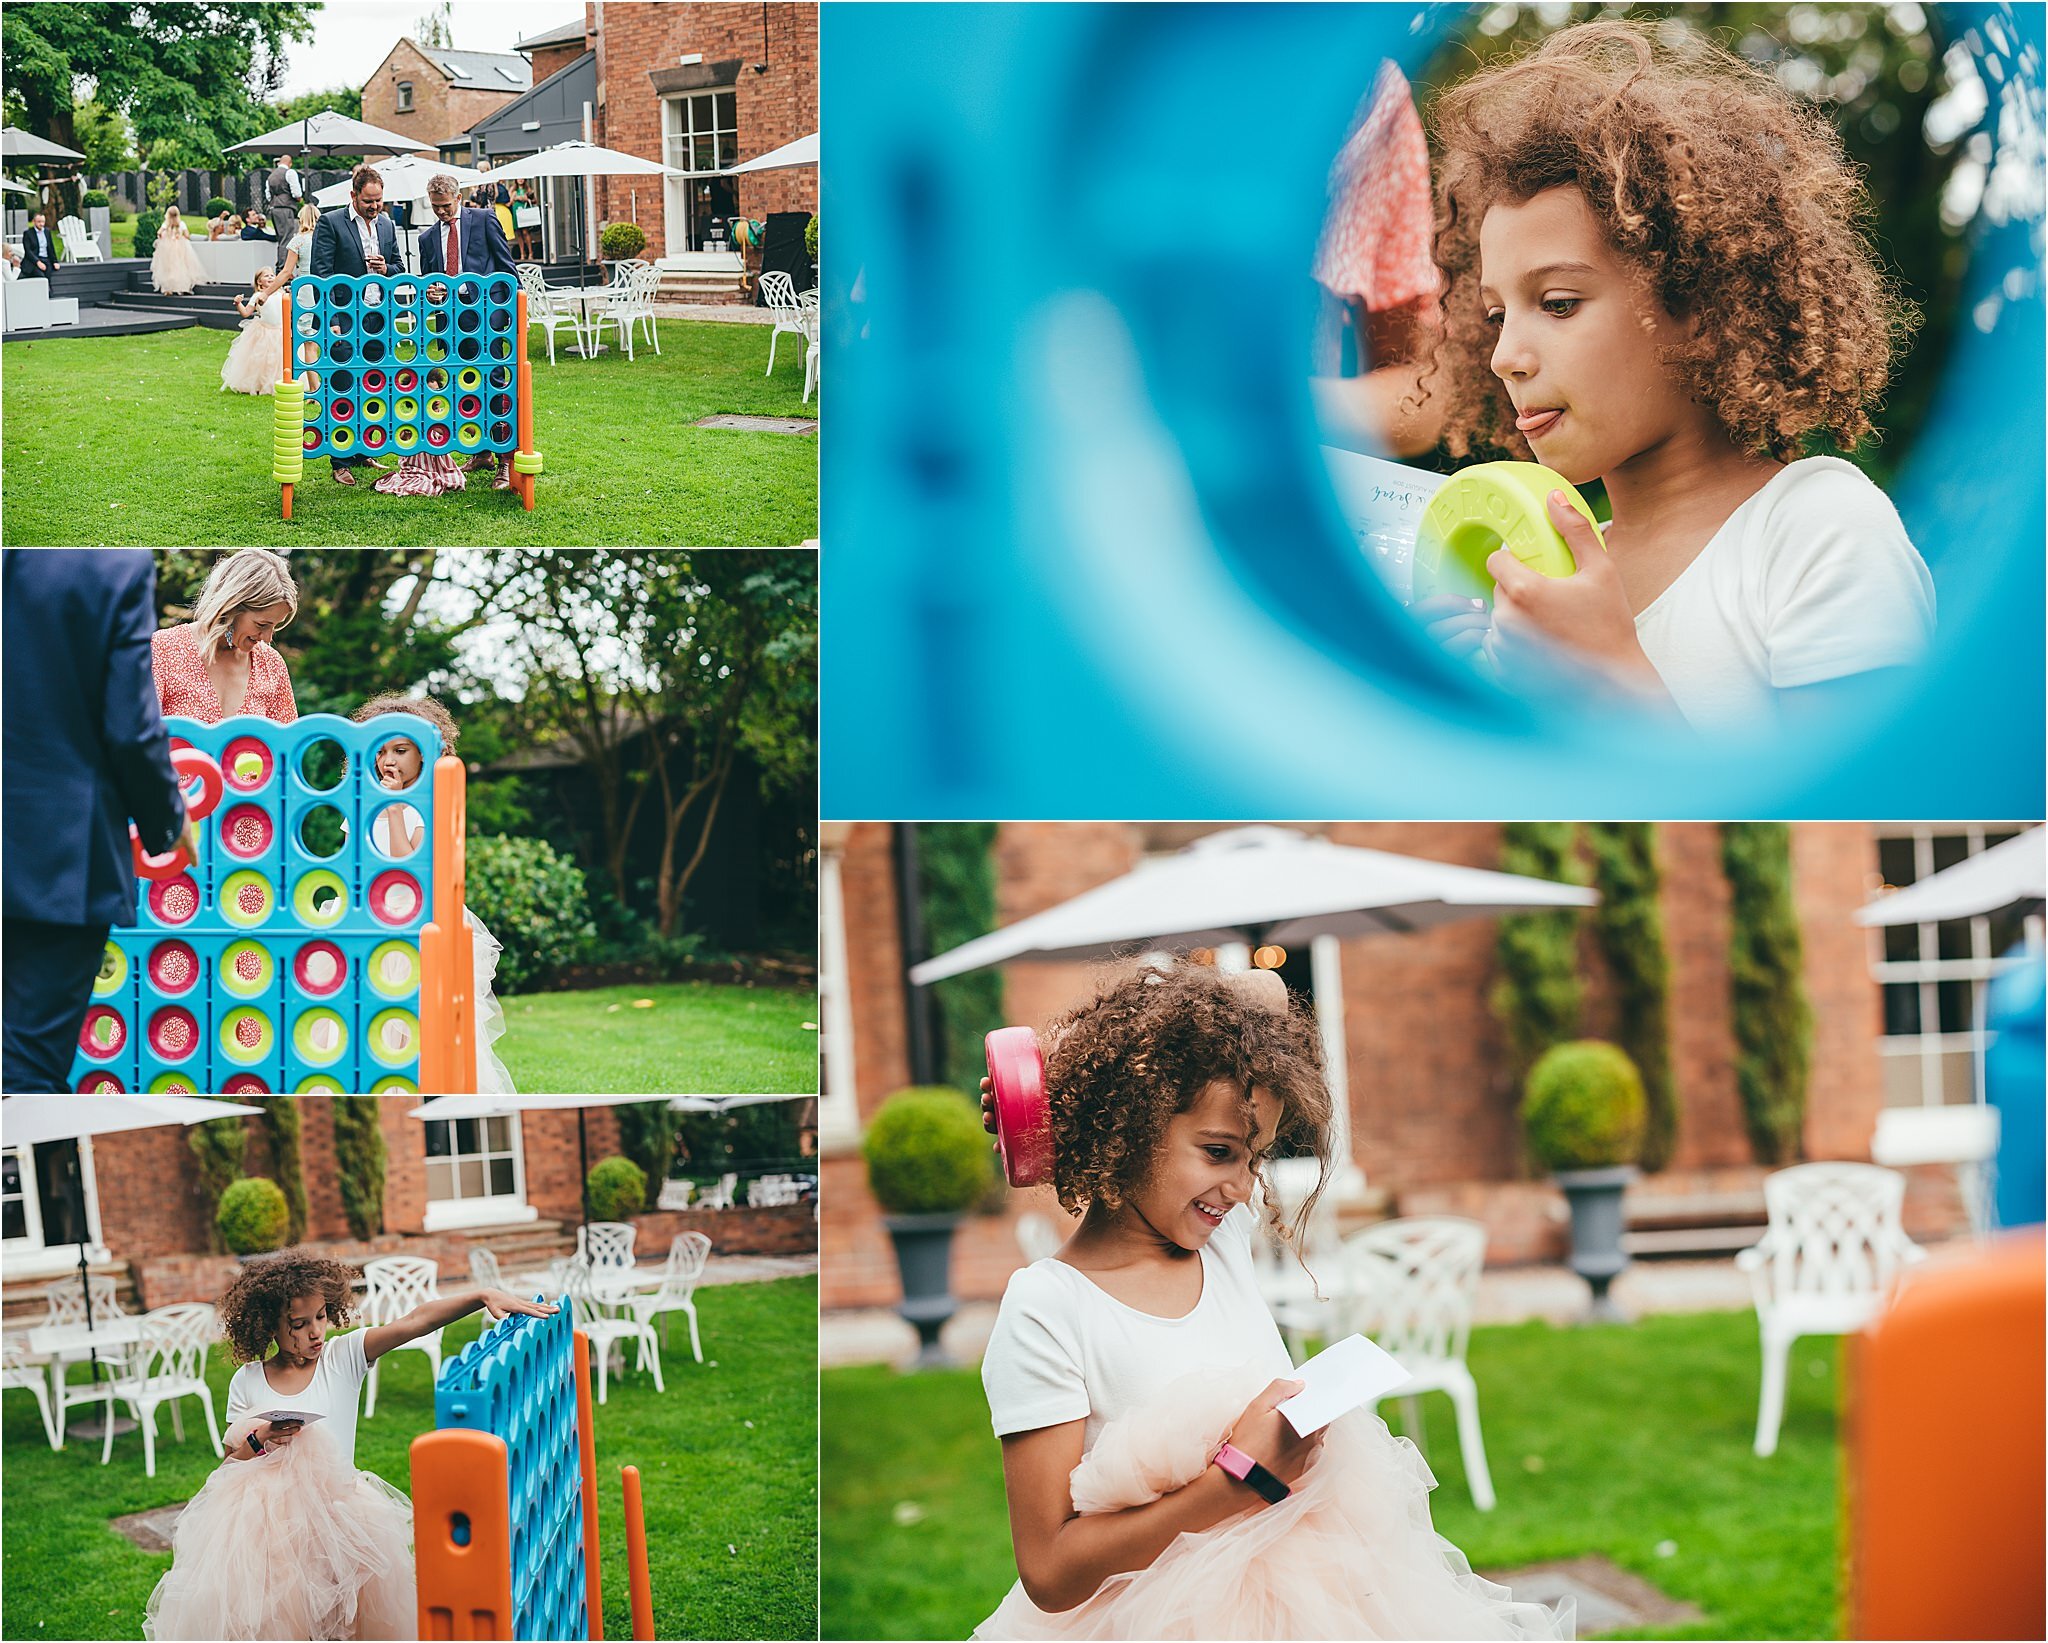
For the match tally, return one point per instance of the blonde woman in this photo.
(256, 356)
(221, 663)
(174, 267)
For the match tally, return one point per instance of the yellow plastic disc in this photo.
(1481, 508)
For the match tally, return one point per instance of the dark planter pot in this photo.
(1597, 1256)
(924, 1256)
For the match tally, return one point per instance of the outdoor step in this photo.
(1691, 1240)
(1696, 1209)
(192, 303)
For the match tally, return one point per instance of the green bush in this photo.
(94, 196)
(146, 226)
(218, 204)
(617, 1188)
(535, 902)
(359, 1159)
(218, 1145)
(1773, 1020)
(926, 1153)
(811, 237)
(1536, 990)
(120, 211)
(1584, 1108)
(254, 1217)
(622, 240)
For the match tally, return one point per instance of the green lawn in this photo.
(730, 1506)
(128, 441)
(699, 1038)
(1607, 1441)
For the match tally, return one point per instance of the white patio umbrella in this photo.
(725, 1103)
(331, 132)
(1256, 885)
(804, 151)
(26, 1120)
(16, 144)
(405, 177)
(14, 187)
(577, 158)
(2014, 871)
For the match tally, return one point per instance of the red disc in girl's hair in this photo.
(1016, 1074)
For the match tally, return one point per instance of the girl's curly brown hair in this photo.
(252, 1308)
(1732, 200)
(420, 707)
(1118, 1068)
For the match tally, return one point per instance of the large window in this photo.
(700, 134)
(49, 1205)
(476, 1173)
(1933, 975)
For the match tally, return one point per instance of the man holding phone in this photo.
(358, 241)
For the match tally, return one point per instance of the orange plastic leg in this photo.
(586, 1443)
(462, 1534)
(637, 1580)
(287, 501)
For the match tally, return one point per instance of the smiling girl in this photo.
(287, 1539)
(1134, 1378)
(1657, 277)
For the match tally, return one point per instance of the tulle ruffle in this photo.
(174, 267)
(492, 1077)
(294, 1544)
(1351, 1552)
(256, 360)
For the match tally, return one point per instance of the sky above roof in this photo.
(351, 37)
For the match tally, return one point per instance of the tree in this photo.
(104, 135)
(435, 27)
(1536, 996)
(191, 78)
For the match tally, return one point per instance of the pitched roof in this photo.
(481, 70)
(564, 34)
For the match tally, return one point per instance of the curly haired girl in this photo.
(1129, 1370)
(300, 1544)
(1657, 275)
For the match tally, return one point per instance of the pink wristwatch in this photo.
(1246, 1470)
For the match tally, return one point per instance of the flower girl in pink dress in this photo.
(1131, 1375)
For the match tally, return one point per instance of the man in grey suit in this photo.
(357, 241)
(282, 193)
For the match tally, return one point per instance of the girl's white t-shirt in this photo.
(334, 1392)
(1064, 1349)
(1812, 578)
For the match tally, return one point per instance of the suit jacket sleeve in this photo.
(498, 249)
(323, 248)
(430, 248)
(138, 746)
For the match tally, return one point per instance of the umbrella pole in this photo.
(583, 1159)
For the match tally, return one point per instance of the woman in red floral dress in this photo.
(221, 662)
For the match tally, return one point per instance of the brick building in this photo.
(433, 93)
(512, 1183)
(1432, 1114)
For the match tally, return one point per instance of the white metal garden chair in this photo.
(1413, 1284)
(676, 1194)
(778, 291)
(66, 1305)
(814, 351)
(604, 1317)
(79, 245)
(606, 1244)
(687, 1255)
(484, 1271)
(1834, 1250)
(720, 1196)
(23, 1368)
(398, 1283)
(171, 1366)
(631, 303)
(541, 309)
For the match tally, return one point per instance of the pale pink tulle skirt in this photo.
(175, 268)
(293, 1544)
(255, 362)
(1351, 1553)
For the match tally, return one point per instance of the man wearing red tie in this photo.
(465, 240)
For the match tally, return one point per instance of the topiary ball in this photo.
(1584, 1107)
(618, 1188)
(927, 1153)
(253, 1216)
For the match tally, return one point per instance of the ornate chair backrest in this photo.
(176, 1338)
(1416, 1280)
(606, 1243)
(483, 1269)
(560, 1269)
(646, 281)
(778, 290)
(15, 1357)
(534, 283)
(687, 1254)
(1835, 1230)
(398, 1283)
(67, 1302)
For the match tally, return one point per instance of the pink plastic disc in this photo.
(99, 1040)
(233, 763)
(246, 830)
(174, 900)
(172, 967)
(1016, 1072)
(172, 1032)
(99, 1084)
(320, 968)
(245, 1084)
(395, 897)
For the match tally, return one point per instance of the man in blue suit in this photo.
(358, 241)
(466, 240)
(38, 250)
(84, 750)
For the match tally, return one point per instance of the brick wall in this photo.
(771, 108)
(439, 111)
(1433, 1122)
(775, 1229)
(551, 59)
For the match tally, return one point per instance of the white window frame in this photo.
(491, 1210)
(1927, 973)
(838, 1098)
(675, 215)
(30, 1257)
(402, 97)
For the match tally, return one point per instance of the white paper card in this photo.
(1340, 1379)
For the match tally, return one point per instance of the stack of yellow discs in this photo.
(526, 462)
(288, 414)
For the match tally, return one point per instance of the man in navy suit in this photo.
(84, 750)
(466, 240)
(358, 241)
(38, 250)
